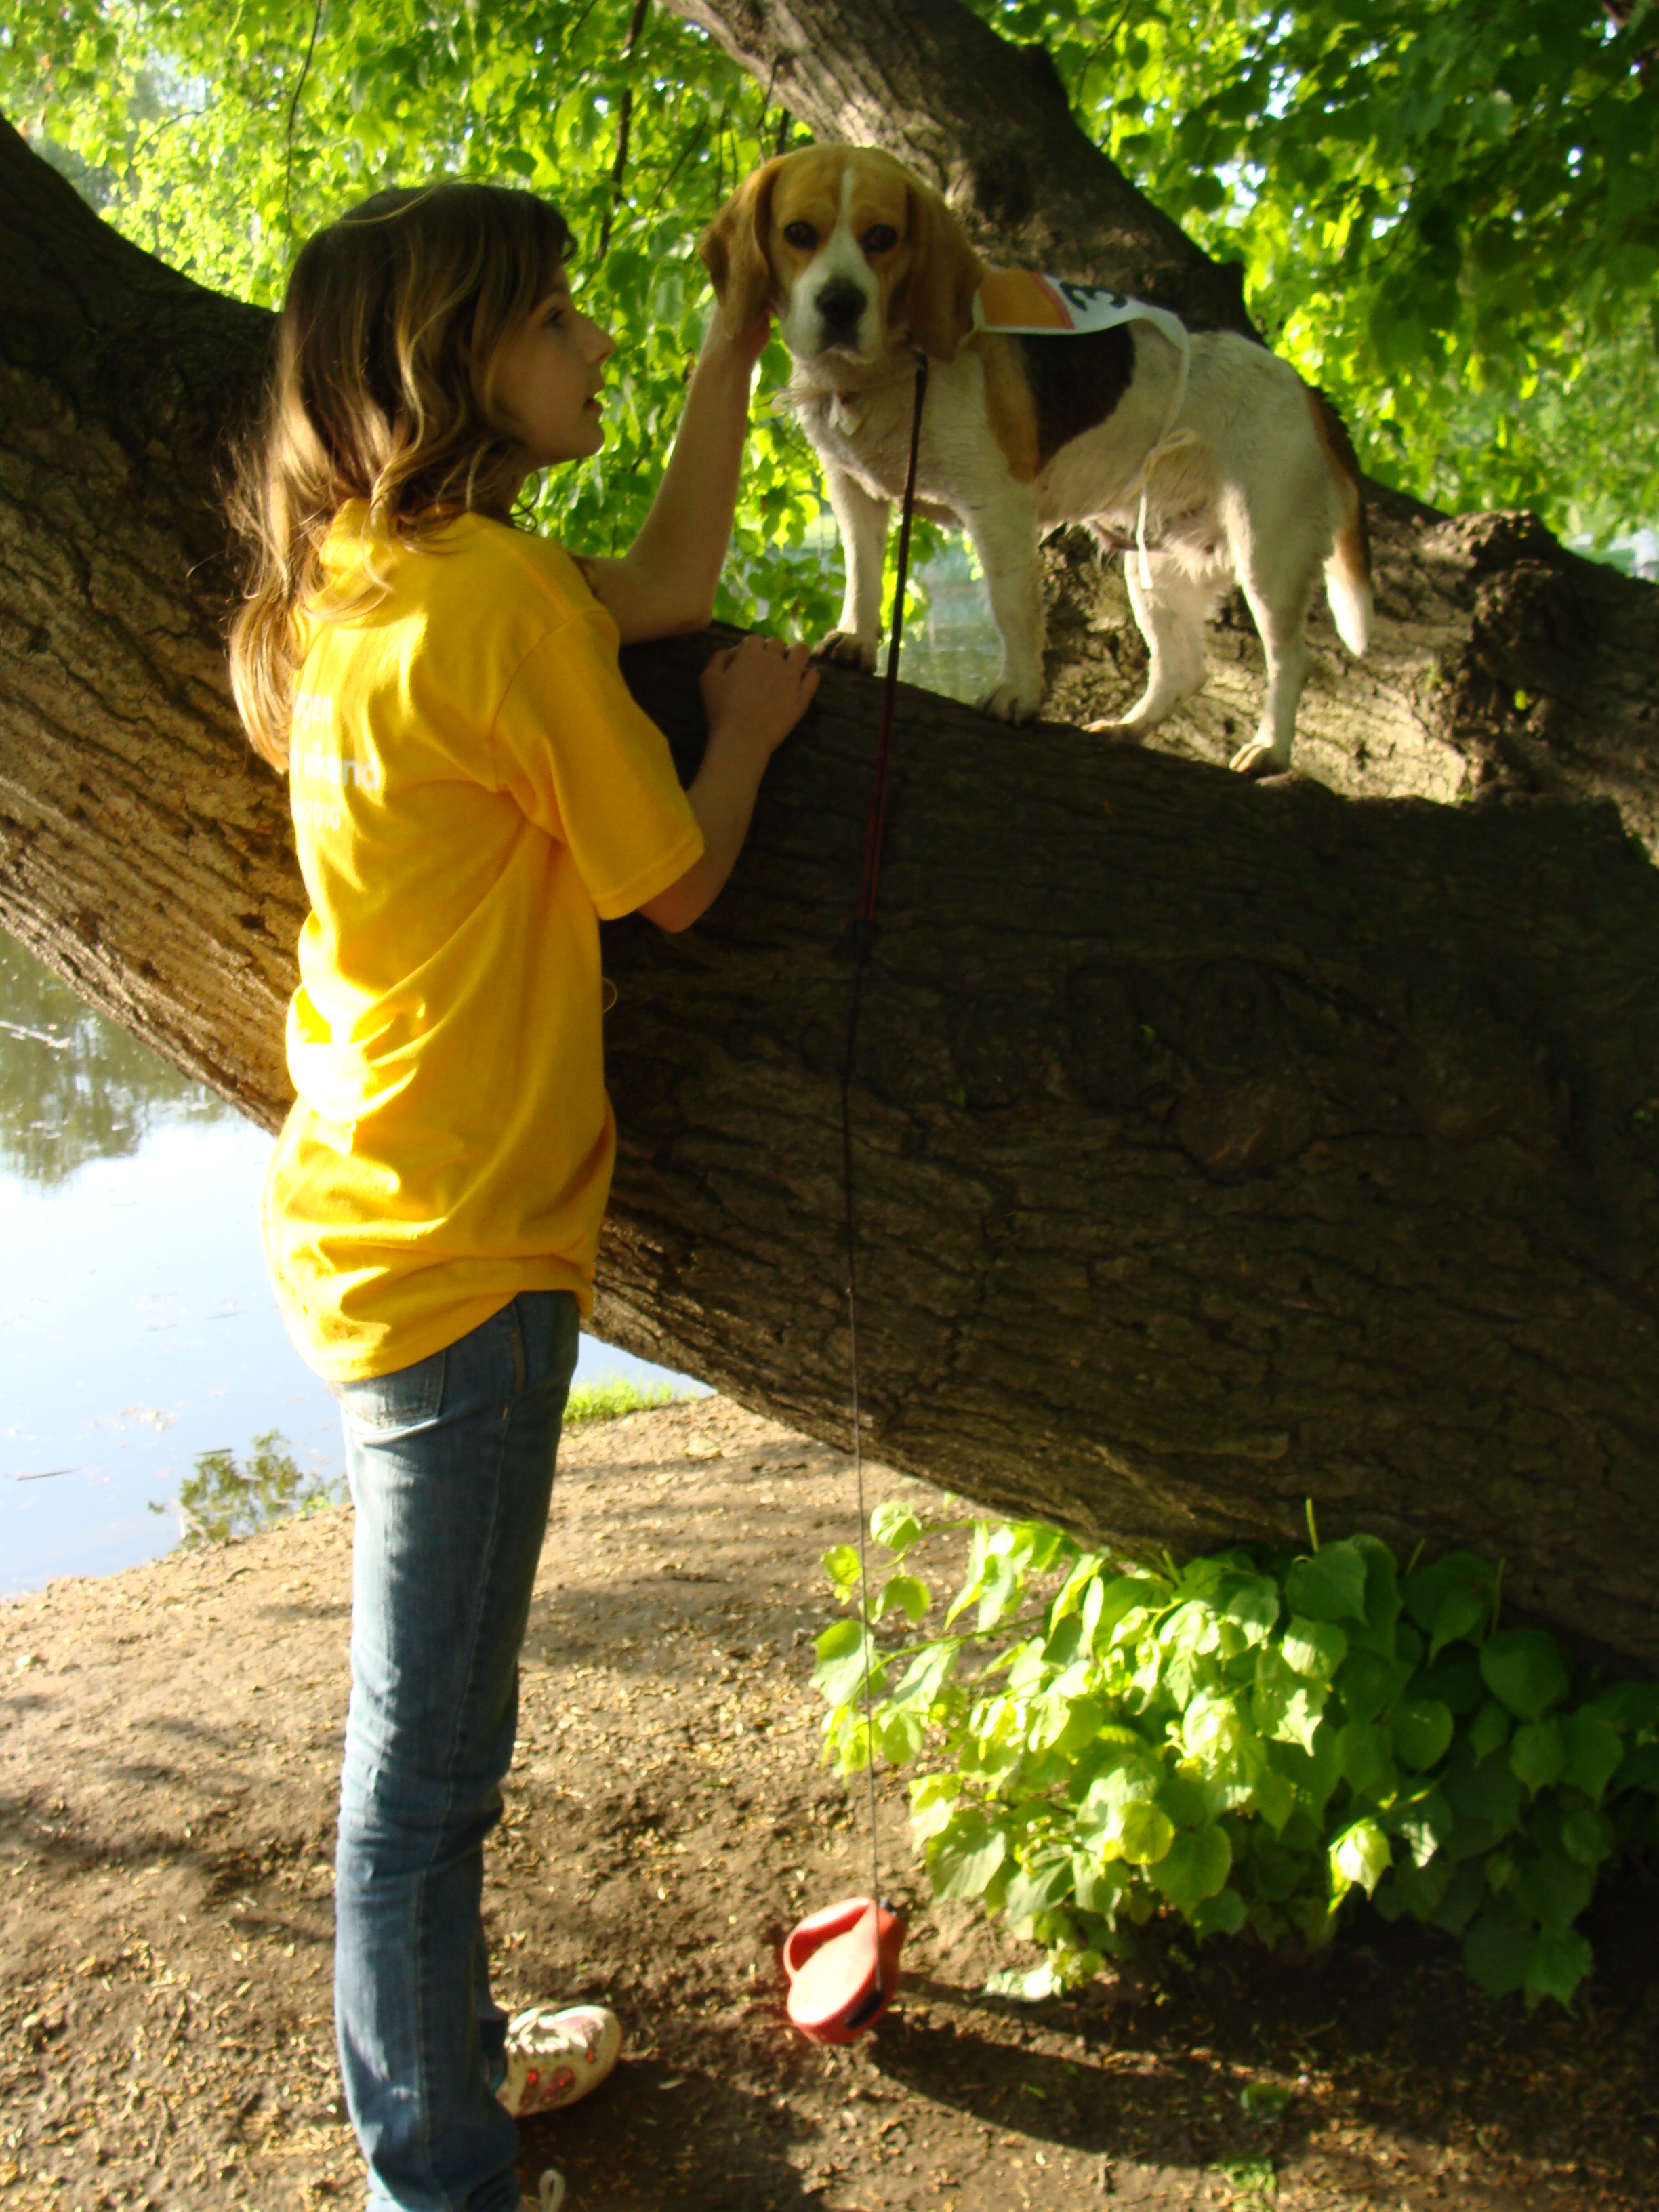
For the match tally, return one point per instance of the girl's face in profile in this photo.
(547, 378)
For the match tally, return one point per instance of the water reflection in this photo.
(140, 1346)
(222, 1499)
(73, 1087)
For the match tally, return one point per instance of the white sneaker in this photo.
(556, 2055)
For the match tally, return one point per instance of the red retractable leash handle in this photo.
(843, 1962)
(843, 1969)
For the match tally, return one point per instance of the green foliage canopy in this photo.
(1448, 216)
(219, 138)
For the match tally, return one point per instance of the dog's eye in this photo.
(800, 233)
(879, 237)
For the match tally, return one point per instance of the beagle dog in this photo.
(1216, 457)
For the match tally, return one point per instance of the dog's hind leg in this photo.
(863, 519)
(1171, 611)
(1277, 570)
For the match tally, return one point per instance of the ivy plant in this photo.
(1244, 1741)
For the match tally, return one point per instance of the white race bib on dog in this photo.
(1020, 303)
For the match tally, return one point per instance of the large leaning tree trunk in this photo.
(1219, 1145)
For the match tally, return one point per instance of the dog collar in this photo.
(1020, 303)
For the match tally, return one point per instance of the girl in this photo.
(473, 789)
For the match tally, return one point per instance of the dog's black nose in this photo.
(840, 303)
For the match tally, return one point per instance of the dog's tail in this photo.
(1348, 570)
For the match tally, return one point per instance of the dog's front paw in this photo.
(1258, 758)
(1127, 733)
(1010, 702)
(842, 650)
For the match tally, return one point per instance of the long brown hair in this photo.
(382, 390)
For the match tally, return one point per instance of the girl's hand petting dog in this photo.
(743, 349)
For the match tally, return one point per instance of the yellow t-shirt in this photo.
(472, 789)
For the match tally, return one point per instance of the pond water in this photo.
(137, 1331)
(138, 1336)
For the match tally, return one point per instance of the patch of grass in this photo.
(612, 1396)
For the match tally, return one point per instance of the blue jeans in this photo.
(450, 1467)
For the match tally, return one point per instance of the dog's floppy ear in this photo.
(733, 249)
(944, 275)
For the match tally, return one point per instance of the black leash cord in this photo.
(864, 938)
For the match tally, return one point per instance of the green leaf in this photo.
(1285, 1705)
(896, 1526)
(1098, 1887)
(1455, 1679)
(1185, 1800)
(932, 1802)
(1119, 1599)
(1253, 1607)
(1490, 1729)
(1586, 1837)
(1224, 1914)
(840, 1564)
(1412, 1888)
(1272, 1798)
(1499, 1954)
(1313, 1771)
(974, 1575)
(1360, 1855)
(910, 1595)
(1424, 1826)
(1560, 1960)
(1524, 1669)
(1483, 1794)
(1132, 1776)
(966, 1853)
(1314, 1648)
(1194, 1866)
(925, 1675)
(1595, 1748)
(1330, 1586)
(1458, 1615)
(1142, 1834)
(1034, 1892)
(1066, 1724)
(1466, 1894)
(1085, 1570)
(1266, 2101)
(1002, 1587)
(1026, 1985)
(1367, 1683)
(1382, 1599)
(900, 1734)
(1367, 1754)
(1422, 1731)
(1631, 1706)
(1252, 2181)
(1553, 1890)
(1451, 1598)
(839, 1675)
(1538, 1754)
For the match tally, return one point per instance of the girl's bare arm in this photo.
(665, 584)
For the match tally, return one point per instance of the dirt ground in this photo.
(168, 1768)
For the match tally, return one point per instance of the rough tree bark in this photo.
(1219, 1145)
